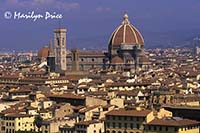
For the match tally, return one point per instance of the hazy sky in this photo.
(89, 19)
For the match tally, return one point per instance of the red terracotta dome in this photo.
(43, 52)
(144, 59)
(126, 34)
(117, 60)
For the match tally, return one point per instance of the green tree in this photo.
(38, 121)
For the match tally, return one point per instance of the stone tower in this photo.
(75, 59)
(51, 58)
(60, 49)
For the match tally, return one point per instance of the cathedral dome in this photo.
(117, 60)
(43, 52)
(126, 34)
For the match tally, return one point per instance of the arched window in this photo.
(58, 42)
(63, 41)
(113, 131)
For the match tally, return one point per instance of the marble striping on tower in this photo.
(60, 49)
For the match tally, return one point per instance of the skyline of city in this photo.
(90, 25)
(99, 66)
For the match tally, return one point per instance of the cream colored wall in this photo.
(20, 123)
(28, 121)
(190, 85)
(164, 113)
(195, 103)
(41, 104)
(102, 113)
(95, 127)
(89, 114)
(92, 101)
(150, 117)
(38, 95)
(22, 96)
(84, 80)
(47, 104)
(3, 107)
(54, 125)
(56, 81)
(46, 115)
(32, 112)
(9, 127)
(111, 94)
(122, 88)
(196, 130)
(63, 111)
(172, 130)
(119, 102)
(35, 104)
(198, 77)
(128, 121)
(80, 91)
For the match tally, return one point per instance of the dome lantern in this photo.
(125, 21)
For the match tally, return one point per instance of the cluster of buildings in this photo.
(125, 51)
(126, 89)
(17, 57)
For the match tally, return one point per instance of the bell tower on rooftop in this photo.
(60, 49)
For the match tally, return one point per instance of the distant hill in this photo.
(173, 39)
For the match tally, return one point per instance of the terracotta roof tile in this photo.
(123, 112)
(66, 95)
(117, 60)
(87, 122)
(173, 121)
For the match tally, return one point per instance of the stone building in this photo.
(83, 61)
(13, 122)
(126, 47)
(125, 50)
(172, 125)
(127, 121)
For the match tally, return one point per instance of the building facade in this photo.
(172, 125)
(13, 122)
(127, 121)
